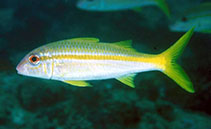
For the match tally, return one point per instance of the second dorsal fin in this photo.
(127, 44)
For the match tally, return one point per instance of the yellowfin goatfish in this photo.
(200, 17)
(115, 5)
(75, 61)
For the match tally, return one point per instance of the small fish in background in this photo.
(199, 17)
(78, 60)
(117, 5)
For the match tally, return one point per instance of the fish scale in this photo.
(93, 50)
(76, 54)
(76, 61)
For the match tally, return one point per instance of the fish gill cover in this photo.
(156, 102)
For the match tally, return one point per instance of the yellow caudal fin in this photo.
(171, 68)
(163, 6)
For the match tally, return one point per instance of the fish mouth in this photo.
(19, 69)
(20, 72)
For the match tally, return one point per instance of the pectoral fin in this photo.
(78, 83)
(128, 80)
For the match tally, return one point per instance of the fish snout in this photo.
(20, 68)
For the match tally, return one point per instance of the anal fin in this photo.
(78, 83)
(128, 80)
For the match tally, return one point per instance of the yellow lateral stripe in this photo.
(147, 59)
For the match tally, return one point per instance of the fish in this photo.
(78, 60)
(199, 17)
(118, 5)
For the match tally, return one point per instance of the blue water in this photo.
(156, 102)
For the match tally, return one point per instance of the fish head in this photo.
(36, 63)
(89, 4)
(198, 17)
(182, 24)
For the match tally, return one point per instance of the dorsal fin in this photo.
(128, 80)
(127, 44)
(92, 40)
(163, 6)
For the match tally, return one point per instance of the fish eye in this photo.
(34, 59)
(184, 19)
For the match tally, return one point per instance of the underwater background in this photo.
(156, 103)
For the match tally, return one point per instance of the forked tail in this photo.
(171, 68)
